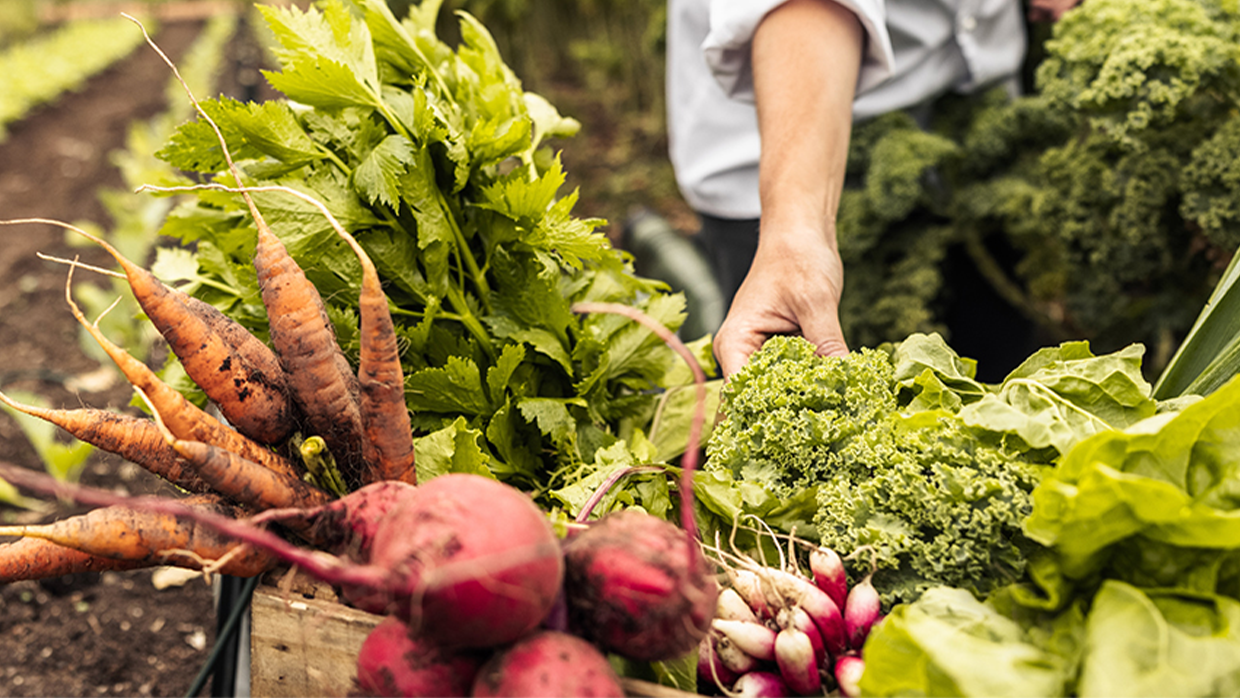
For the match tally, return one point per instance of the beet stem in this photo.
(610, 482)
(689, 461)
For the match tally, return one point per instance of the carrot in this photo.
(232, 366)
(247, 483)
(136, 440)
(35, 558)
(388, 444)
(321, 380)
(133, 535)
(185, 419)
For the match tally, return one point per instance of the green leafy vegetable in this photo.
(1172, 480)
(437, 160)
(937, 504)
(1160, 643)
(1137, 592)
(950, 644)
(906, 452)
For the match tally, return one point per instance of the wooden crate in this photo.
(303, 641)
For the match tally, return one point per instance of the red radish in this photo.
(861, 611)
(631, 590)
(760, 684)
(796, 617)
(394, 663)
(756, 592)
(827, 568)
(794, 653)
(730, 606)
(751, 638)
(848, 670)
(731, 656)
(790, 590)
(710, 668)
(548, 663)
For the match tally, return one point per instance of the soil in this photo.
(118, 633)
(94, 634)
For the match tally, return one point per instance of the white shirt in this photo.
(914, 50)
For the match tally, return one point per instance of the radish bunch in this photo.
(778, 632)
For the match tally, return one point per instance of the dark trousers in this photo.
(730, 245)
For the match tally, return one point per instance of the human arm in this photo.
(806, 58)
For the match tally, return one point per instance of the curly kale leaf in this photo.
(1211, 181)
(938, 506)
(937, 503)
(1137, 66)
(789, 412)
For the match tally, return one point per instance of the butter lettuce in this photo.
(1136, 593)
(1174, 480)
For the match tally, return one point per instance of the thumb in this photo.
(827, 335)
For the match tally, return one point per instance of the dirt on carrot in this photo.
(36, 558)
(155, 538)
(388, 443)
(135, 439)
(234, 368)
(183, 418)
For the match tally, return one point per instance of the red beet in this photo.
(635, 587)
(549, 663)
(392, 663)
(475, 563)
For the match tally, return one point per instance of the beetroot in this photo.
(393, 663)
(548, 663)
(345, 526)
(474, 563)
(636, 585)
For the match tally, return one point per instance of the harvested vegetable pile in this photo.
(472, 342)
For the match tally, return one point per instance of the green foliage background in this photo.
(1114, 179)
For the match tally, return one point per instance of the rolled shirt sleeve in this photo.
(915, 50)
(727, 47)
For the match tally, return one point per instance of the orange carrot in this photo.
(246, 482)
(388, 445)
(183, 418)
(322, 382)
(232, 366)
(134, 535)
(136, 440)
(35, 558)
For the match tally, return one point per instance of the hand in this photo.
(794, 283)
(793, 287)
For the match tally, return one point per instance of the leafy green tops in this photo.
(437, 161)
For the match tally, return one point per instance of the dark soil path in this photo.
(92, 635)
